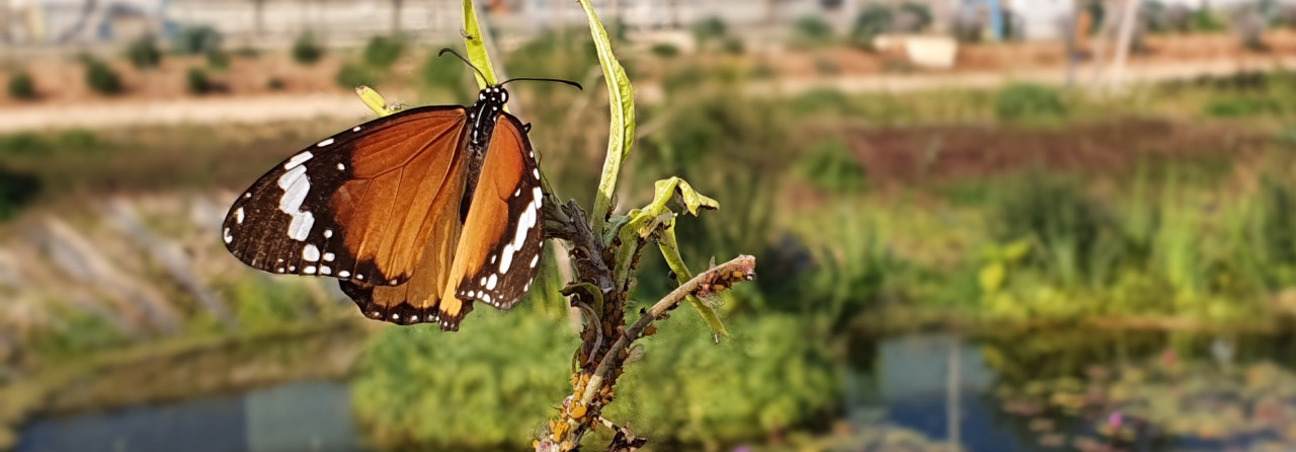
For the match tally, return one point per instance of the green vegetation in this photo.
(16, 191)
(102, 78)
(1029, 102)
(512, 367)
(306, 50)
(813, 31)
(196, 81)
(383, 51)
(144, 53)
(199, 40)
(22, 86)
(352, 75)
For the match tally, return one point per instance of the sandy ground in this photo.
(290, 107)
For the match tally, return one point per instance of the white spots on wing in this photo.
(228, 238)
(341, 167)
(527, 286)
(324, 143)
(292, 268)
(517, 192)
(310, 270)
(324, 270)
(279, 270)
(328, 233)
(360, 276)
(490, 283)
(483, 281)
(487, 298)
(507, 260)
(238, 215)
(344, 274)
(310, 253)
(539, 197)
(393, 282)
(535, 172)
(493, 259)
(296, 185)
(395, 316)
(297, 160)
(356, 129)
(535, 260)
(328, 257)
(247, 195)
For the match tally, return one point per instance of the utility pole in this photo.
(1128, 19)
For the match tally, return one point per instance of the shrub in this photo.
(352, 75)
(23, 143)
(410, 378)
(102, 78)
(768, 378)
(275, 84)
(22, 86)
(383, 51)
(443, 73)
(16, 190)
(914, 17)
(218, 60)
(665, 50)
(197, 40)
(197, 82)
(144, 53)
(829, 165)
(872, 21)
(711, 29)
(305, 50)
(813, 31)
(1025, 101)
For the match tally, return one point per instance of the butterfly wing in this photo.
(361, 205)
(497, 254)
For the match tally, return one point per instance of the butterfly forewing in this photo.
(499, 253)
(360, 205)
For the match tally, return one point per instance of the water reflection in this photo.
(1083, 390)
(301, 417)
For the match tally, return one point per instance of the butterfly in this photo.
(417, 214)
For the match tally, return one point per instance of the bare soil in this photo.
(916, 155)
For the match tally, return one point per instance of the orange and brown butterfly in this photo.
(417, 214)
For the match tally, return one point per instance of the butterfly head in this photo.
(495, 96)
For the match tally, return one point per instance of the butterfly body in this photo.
(417, 214)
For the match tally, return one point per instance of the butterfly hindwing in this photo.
(358, 205)
(499, 254)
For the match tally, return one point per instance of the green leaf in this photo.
(1017, 250)
(621, 133)
(992, 277)
(693, 200)
(475, 43)
(374, 101)
(646, 222)
(670, 250)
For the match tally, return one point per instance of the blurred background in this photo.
(982, 225)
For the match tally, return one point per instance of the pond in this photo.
(1050, 391)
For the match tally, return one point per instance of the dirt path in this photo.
(243, 110)
(239, 110)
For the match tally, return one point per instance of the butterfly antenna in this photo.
(565, 82)
(465, 60)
